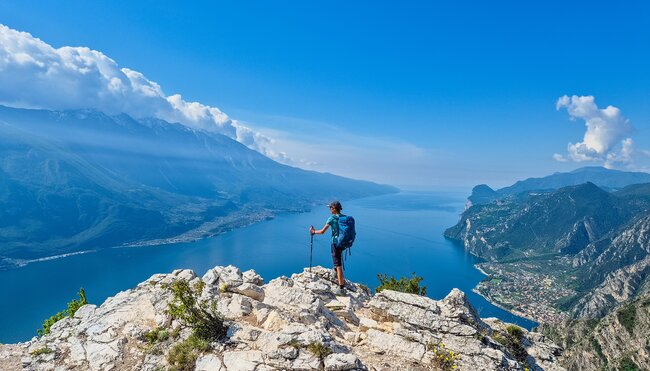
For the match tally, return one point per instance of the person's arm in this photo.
(320, 231)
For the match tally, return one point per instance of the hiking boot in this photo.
(339, 291)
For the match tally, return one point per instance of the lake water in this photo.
(396, 234)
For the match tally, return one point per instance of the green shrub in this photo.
(598, 349)
(319, 350)
(500, 339)
(627, 317)
(39, 351)
(73, 306)
(182, 356)
(407, 285)
(45, 328)
(443, 358)
(201, 316)
(156, 335)
(627, 364)
(513, 343)
(592, 323)
(515, 331)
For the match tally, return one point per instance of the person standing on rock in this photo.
(333, 221)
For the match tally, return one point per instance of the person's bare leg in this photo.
(339, 273)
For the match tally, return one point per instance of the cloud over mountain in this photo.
(607, 138)
(34, 74)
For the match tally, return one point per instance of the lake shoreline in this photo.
(277, 247)
(488, 299)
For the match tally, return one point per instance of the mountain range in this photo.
(607, 179)
(590, 242)
(593, 241)
(81, 180)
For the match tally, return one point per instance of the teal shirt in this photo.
(333, 222)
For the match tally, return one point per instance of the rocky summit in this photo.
(289, 323)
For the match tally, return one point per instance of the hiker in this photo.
(333, 221)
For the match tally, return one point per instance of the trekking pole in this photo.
(311, 248)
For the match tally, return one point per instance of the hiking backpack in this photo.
(347, 233)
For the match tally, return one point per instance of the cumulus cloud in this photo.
(607, 138)
(34, 74)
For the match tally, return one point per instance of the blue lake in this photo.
(396, 234)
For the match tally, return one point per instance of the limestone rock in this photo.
(341, 362)
(290, 323)
(251, 290)
(209, 362)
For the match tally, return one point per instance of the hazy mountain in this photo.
(483, 194)
(600, 176)
(78, 180)
(607, 179)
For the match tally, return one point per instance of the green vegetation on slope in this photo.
(73, 306)
(404, 284)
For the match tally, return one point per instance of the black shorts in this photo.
(336, 255)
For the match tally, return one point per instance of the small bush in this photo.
(73, 306)
(500, 339)
(200, 316)
(443, 358)
(156, 335)
(39, 351)
(627, 317)
(513, 343)
(319, 350)
(515, 331)
(592, 323)
(182, 356)
(627, 364)
(598, 349)
(407, 285)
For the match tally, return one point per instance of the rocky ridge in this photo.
(273, 326)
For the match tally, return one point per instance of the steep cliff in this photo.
(620, 340)
(289, 323)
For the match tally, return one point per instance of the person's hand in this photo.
(312, 230)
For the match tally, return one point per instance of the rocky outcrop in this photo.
(289, 323)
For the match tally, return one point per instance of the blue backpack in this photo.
(347, 233)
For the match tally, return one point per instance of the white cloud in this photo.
(606, 139)
(558, 157)
(34, 74)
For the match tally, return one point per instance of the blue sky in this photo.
(421, 93)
